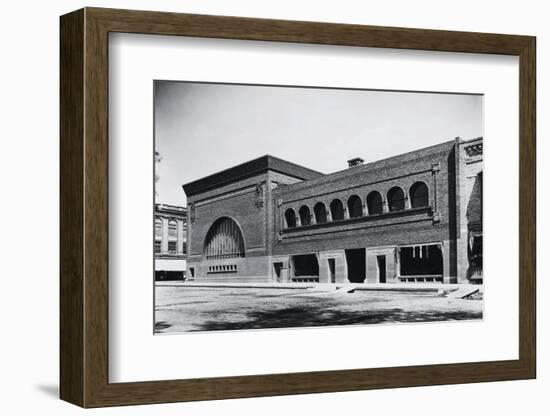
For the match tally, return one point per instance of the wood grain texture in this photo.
(527, 208)
(71, 213)
(84, 207)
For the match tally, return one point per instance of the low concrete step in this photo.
(463, 292)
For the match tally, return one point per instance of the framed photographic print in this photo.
(255, 207)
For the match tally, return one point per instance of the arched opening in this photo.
(305, 215)
(396, 199)
(290, 218)
(337, 210)
(355, 207)
(320, 212)
(419, 195)
(374, 203)
(224, 240)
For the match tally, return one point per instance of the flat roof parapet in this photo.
(248, 169)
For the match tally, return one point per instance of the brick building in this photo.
(170, 242)
(414, 217)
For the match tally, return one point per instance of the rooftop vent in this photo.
(356, 161)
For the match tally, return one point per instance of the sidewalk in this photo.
(446, 289)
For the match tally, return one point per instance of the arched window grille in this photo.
(374, 203)
(396, 199)
(355, 207)
(320, 212)
(305, 215)
(224, 240)
(337, 210)
(419, 195)
(290, 218)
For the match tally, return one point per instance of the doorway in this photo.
(332, 270)
(357, 265)
(277, 268)
(381, 262)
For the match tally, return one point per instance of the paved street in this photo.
(182, 309)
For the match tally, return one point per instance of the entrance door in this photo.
(357, 265)
(381, 261)
(332, 270)
(277, 267)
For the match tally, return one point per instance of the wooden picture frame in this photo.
(84, 207)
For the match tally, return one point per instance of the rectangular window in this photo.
(423, 260)
(157, 246)
(172, 246)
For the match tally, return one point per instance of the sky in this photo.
(202, 128)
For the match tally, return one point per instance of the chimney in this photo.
(356, 161)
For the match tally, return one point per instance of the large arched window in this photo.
(396, 199)
(224, 240)
(337, 210)
(320, 212)
(290, 218)
(305, 215)
(355, 207)
(374, 203)
(419, 195)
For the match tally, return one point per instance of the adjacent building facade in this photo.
(170, 242)
(415, 217)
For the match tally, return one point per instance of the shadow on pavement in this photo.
(304, 317)
(161, 326)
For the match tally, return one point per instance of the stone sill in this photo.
(170, 256)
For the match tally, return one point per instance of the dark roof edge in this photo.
(249, 169)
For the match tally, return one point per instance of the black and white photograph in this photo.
(275, 208)
(295, 206)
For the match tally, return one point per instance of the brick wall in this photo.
(258, 203)
(432, 166)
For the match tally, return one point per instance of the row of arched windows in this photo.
(395, 198)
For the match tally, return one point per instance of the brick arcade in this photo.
(414, 217)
